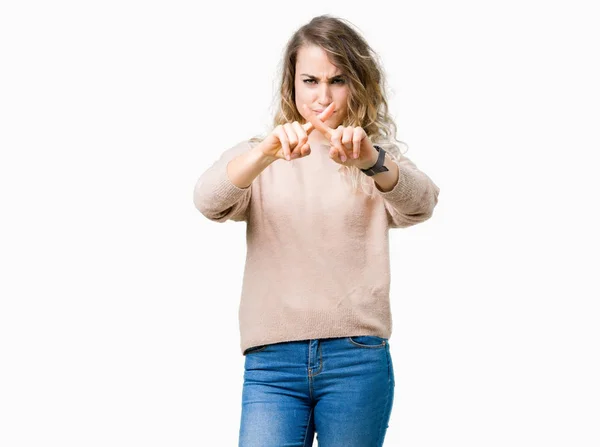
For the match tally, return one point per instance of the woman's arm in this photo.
(223, 191)
(244, 168)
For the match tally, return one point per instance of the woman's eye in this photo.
(339, 81)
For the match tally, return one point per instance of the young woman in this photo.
(319, 194)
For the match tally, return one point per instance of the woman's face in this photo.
(318, 83)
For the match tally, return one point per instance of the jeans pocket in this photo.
(368, 341)
(255, 349)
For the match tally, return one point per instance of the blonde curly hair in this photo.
(367, 105)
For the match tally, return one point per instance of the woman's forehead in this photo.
(313, 61)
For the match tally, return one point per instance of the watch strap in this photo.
(378, 166)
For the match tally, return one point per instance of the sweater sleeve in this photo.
(412, 199)
(216, 197)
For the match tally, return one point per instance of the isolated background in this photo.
(119, 300)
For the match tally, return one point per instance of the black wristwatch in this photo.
(378, 166)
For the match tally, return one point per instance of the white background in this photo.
(119, 300)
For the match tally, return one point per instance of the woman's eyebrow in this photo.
(314, 77)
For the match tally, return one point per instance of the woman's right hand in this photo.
(290, 140)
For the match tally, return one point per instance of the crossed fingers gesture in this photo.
(289, 141)
(350, 146)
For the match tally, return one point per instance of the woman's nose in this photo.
(324, 93)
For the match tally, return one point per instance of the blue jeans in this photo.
(340, 388)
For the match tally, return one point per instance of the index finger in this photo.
(324, 115)
(316, 121)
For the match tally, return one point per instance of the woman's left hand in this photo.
(350, 146)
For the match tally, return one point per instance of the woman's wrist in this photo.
(261, 157)
(370, 162)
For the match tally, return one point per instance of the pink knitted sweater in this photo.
(317, 259)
